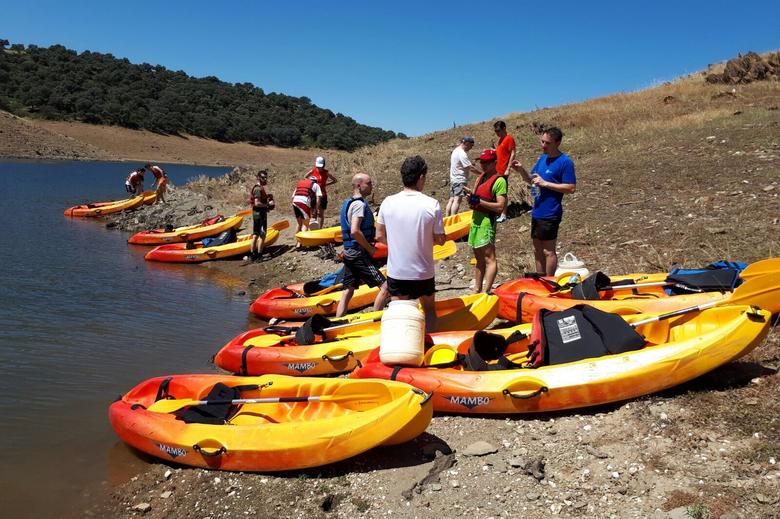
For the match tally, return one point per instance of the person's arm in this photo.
(515, 165)
(381, 236)
(358, 235)
(438, 227)
(568, 180)
(331, 179)
(511, 159)
(496, 207)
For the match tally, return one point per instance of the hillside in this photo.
(682, 173)
(57, 83)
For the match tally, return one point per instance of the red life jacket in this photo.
(305, 187)
(263, 197)
(483, 188)
(321, 177)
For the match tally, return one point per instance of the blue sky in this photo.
(413, 67)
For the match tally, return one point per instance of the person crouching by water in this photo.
(134, 183)
(553, 175)
(410, 223)
(306, 201)
(161, 179)
(261, 203)
(358, 233)
(488, 200)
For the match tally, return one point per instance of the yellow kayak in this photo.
(103, 208)
(289, 424)
(186, 233)
(261, 351)
(455, 227)
(179, 253)
(676, 350)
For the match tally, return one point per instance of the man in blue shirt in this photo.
(551, 177)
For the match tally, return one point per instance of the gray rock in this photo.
(166, 495)
(729, 515)
(517, 462)
(480, 448)
(593, 452)
(142, 507)
(681, 512)
(435, 487)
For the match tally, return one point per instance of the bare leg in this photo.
(479, 270)
(550, 256)
(491, 266)
(541, 264)
(260, 245)
(346, 295)
(381, 297)
(429, 308)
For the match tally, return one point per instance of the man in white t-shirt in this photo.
(410, 223)
(460, 166)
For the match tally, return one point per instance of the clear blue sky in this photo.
(416, 66)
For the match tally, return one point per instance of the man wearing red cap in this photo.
(488, 200)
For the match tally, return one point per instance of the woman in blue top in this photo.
(551, 177)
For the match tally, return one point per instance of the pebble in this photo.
(517, 462)
(480, 448)
(142, 507)
(455, 483)
(532, 496)
(167, 474)
(435, 487)
(166, 495)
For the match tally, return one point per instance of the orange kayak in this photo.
(187, 233)
(260, 351)
(676, 350)
(197, 252)
(296, 424)
(103, 208)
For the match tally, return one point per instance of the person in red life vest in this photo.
(358, 232)
(261, 202)
(505, 154)
(553, 176)
(134, 183)
(488, 200)
(324, 178)
(306, 201)
(161, 179)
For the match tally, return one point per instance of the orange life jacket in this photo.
(305, 187)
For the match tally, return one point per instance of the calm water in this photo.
(83, 319)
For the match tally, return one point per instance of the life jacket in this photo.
(263, 196)
(158, 172)
(483, 188)
(320, 177)
(366, 225)
(305, 187)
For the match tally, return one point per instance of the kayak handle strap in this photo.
(526, 396)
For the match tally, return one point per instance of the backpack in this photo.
(581, 332)
(223, 238)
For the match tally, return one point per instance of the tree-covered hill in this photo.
(61, 84)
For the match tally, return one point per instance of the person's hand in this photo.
(371, 250)
(536, 179)
(516, 164)
(474, 201)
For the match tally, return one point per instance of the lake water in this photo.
(83, 318)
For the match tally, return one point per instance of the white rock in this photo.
(167, 474)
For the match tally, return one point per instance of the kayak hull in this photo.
(104, 208)
(689, 346)
(179, 253)
(184, 234)
(268, 437)
(343, 349)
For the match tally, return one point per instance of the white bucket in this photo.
(570, 263)
(402, 337)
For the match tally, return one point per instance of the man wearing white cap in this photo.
(323, 178)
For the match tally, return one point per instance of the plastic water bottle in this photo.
(534, 188)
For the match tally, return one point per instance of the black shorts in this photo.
(323, 202)
(259, 223)
(411, 288)
(545, 229)
(361, 269)
(299, 213)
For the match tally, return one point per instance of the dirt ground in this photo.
(680, 174)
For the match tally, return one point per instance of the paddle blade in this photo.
(267, 340)
(444, 251)
(171, 406)
(761, 291)
(247, 212)
(761, 268)
(284, 224)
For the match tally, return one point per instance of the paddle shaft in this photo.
(339, 327)
(169, 406)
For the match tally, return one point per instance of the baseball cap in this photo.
(319, 162)
(468, 138)
(487, 155)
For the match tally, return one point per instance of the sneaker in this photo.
(501, 219)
